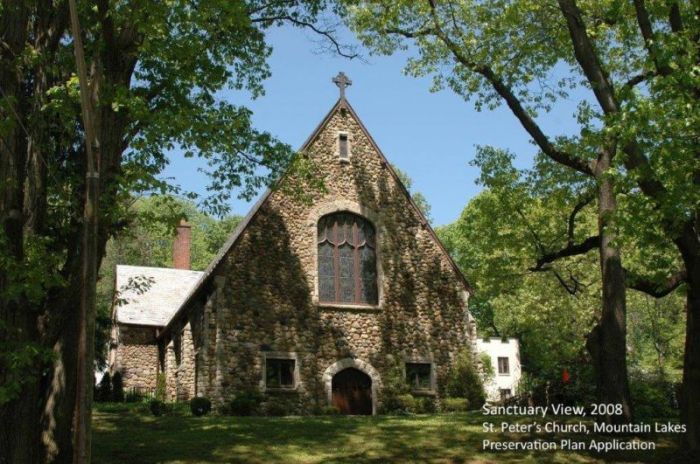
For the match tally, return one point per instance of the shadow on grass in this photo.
(128, 437)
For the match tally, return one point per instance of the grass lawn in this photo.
(124, 435)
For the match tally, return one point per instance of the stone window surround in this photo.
(337, 146)
(358, 364)
(432, 391)
(265, 355)
(338, 206)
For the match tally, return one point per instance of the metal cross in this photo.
(342, 81)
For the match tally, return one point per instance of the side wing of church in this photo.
(319, 298)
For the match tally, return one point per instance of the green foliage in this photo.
(418, 198)
(245, 403)
(405, 404)
(464, 380)
(454, 405)
(161, 387)
(275, 407)
(493, 243)
(148, 241)
(157, 407)
(117, 387)
(425, 405)
(440, 438)
(654, 396)
(522, 53)
(103, 392)
(160, 96)
(394, 386)
(134, 395)
(329, 411)
(200, 406)
(488, 372)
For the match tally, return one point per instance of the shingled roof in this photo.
(151, 295)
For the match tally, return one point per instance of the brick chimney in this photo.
(181, 246)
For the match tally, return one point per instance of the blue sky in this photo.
(431, 136)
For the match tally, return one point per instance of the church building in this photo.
(318, 297)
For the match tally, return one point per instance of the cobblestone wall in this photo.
(264, 297)
(137, 358)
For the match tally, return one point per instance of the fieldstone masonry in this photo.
(136, 357)
(262, 295)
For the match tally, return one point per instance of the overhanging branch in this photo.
(513, 102)
(655, 289)
(570, 250)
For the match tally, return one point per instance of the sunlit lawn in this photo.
(123, 435)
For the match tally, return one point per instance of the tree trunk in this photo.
(689, 245)
(611, 333)
(690, 401)
(59, 401)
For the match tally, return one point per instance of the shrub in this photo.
(329, 411)
(454, 405)
(425, 405)
(161, 389)
(395, 386)
(156, 407)
(246, 403)
(200, 406)
(653, 397)
(275, 408)
(117, 387)
(486, 366)
(133, 396)
(464, 380)
(103, 392)
(400, 404)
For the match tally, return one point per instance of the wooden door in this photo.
(352, 392)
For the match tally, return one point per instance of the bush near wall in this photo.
(454, 405)
(464, 380)
(117, 387)
(200, 406)
(244, 403)
(161, 387)
(103, 391)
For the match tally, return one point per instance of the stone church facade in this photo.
(316, 298)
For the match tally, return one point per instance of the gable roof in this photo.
(341, 103)
(151, 295)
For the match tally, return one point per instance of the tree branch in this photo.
(572, 217)
(570, 250)
(653, 288)
(647, 31)
(587, 58)
(638, 79)
(506, 93)
(328, 34)
(674, 18)
(571, 290)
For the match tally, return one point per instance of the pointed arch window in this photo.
(347, 260)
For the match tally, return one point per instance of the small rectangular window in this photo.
(343, 147)
(505, 393)
(503, 367)
(418, 376)
(279, 373)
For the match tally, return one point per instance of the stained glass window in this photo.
(347, 265)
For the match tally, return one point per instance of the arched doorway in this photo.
(356, 364)
(352, 392)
